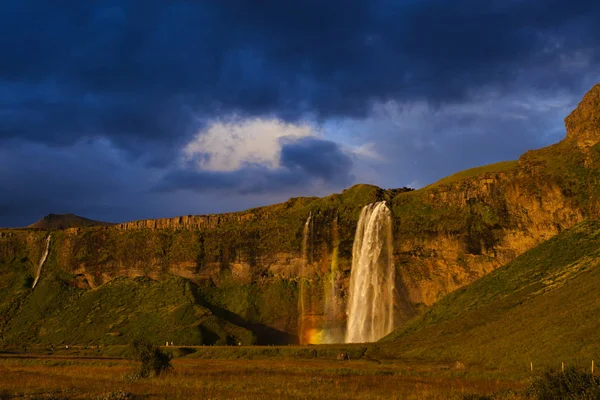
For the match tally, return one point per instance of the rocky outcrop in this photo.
(188, 222)
(502, 219)
(583, 124)
(502, 214)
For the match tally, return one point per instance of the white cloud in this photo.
(367, 150)
(228, 146)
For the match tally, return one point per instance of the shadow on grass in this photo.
(265, 335)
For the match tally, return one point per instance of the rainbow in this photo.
(314, 336)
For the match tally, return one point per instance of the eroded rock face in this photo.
(583, 124)
(438, 263)
(188, 221)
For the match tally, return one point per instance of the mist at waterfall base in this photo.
(370, 307)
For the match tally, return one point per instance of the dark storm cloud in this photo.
(134, 70)
(88, 178)
(99, 181)
(319, 159)
(304, 162)
(97, 99)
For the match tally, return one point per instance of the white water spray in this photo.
(42, 261)
(371, 302)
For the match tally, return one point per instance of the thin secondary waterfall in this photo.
(303, 300)
(371, 301)
(42, 261)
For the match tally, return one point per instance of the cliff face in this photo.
(467, 227)
(477, 225)
(583, 123)
(446, 235)
(193, 222)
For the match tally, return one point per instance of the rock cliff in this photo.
(583, 123)
(446, 235)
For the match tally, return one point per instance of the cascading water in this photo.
(371, 301)
(42, 261)
(303, 300)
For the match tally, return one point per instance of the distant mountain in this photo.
(54, 222)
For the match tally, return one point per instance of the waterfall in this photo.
(303, 300)
(371, 301)
(42, 261)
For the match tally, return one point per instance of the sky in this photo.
(125, 110)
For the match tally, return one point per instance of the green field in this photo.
(74, 374)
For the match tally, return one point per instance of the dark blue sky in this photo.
(120, 110)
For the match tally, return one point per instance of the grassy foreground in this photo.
(72, 375)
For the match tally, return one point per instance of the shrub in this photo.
(573, 384)
(154, 361)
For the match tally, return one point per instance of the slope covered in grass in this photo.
(503, 166)
(542, 307)
(57, 313)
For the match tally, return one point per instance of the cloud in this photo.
(319, 159)
(90, 178)
(304, 164)
(404, 91)
(419, 143)
(99, 181)
(132, 71)
(227, 146)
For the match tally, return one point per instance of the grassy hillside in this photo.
(503, 166)
(58, 312)
(542, 307)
